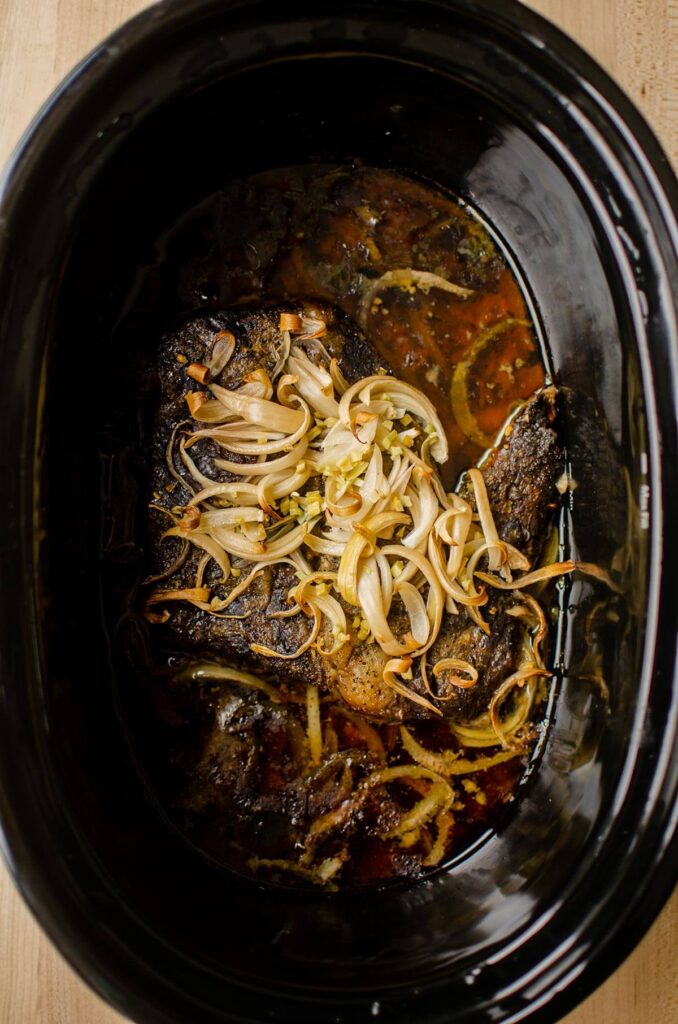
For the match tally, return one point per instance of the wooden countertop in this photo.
(40, 40)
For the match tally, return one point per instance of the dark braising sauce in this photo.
(230, 764)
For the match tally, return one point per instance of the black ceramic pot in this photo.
(488, 100)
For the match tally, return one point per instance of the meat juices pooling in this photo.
(335, 244)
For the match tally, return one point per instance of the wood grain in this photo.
(40, 40)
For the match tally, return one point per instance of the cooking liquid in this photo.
(329, 234)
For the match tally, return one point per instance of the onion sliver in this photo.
(260, 468)
(267, 652)
(413, 400)
(259, 411)
(495, 547)
(436, 603)
(394, 668)
(406, 277)
(457, 665)
(207, 544)
(547, 572)
(315, 735)
(204, 672)
(518, 678)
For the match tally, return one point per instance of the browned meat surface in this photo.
(520, 478)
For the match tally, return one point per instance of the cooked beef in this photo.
(520, 478)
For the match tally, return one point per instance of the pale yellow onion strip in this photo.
(427, 513)
(479, 732)
(202, 565)
(206, 544)
(415, 607)
(444, 499)
(204, 672)
(223, 347)
(338, 379)
(436, 597)
(375, 485)
(300, 562)
(332, 610)
(469, 570)
(192, 594)
(423, 671)
(347, 579)
(276, 549)
(280, 485)
(312, 329)
(315, 371)
(283, 354)
(230, 517)
(495, 546)
(536, 612)
(314, 728)
(169, 458)
(204, 481)
(238, 493)
(407, 277)
(439, 798)
(382, 776)
(347, 506)
(363, 537)
(339, 441)
(298, 592)
(281, 443)
(254, 531)
(413, 400)
(394, 668)
(372, 607)
(260, 468)
(366, 422)
(481, 764)
(386, 579)
(240, 429)
(210, 411)
(516, 679)
(547, 572)
(313, 384)
(448, 763)
(284, 389)
(344, 502)
(257, 384)
(321, 546)
(289, 544)
(287, 613)
(238, 591)
(452, 587)
(397, 484)
(590, 569)
(314, 875)
(445, 824)
(267, 652)
(259, 411)
(435, 762)
(457, 665)
(234, 542)
(453, 528)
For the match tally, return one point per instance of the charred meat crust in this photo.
(258, 340)
(520, 476)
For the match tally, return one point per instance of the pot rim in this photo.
(631, 140)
